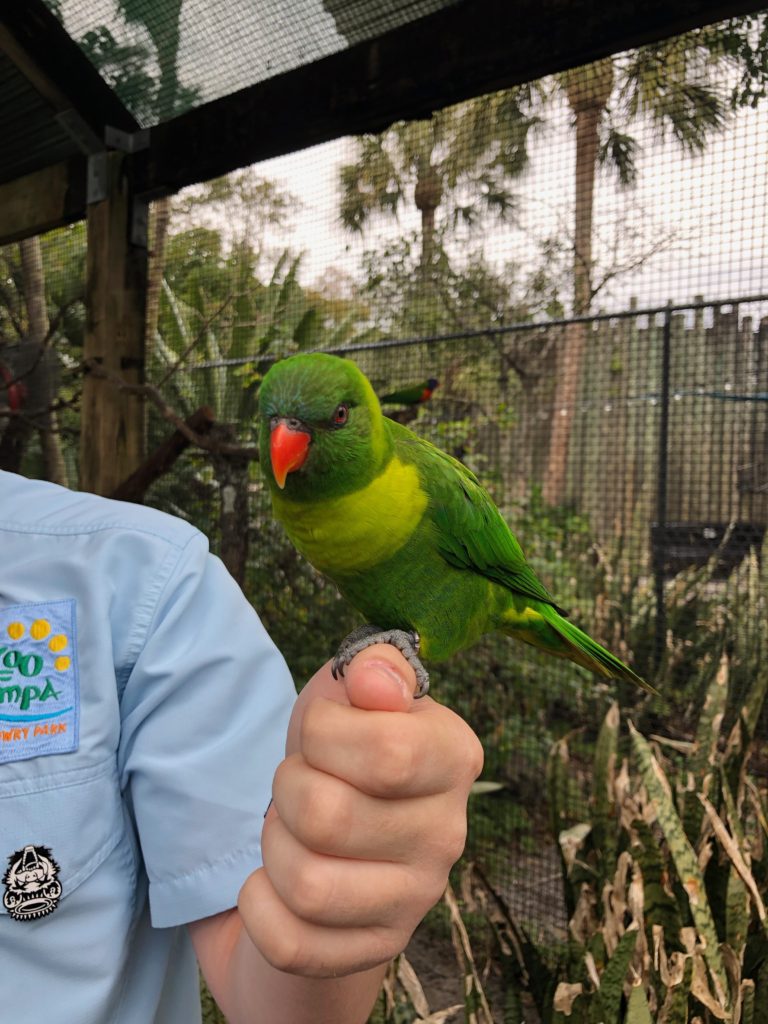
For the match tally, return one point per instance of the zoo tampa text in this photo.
(22, 689)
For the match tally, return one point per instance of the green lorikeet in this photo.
(413, 394)
(404, 530)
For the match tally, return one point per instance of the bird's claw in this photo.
(407, 642)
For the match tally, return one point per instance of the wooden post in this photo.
(112, 421)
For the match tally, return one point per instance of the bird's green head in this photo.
(322, 432)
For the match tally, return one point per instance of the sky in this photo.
(707, 213)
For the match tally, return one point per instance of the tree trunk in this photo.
(427, 241)
(588, 90)
(232, 475)
(427, 196)
(33, 277)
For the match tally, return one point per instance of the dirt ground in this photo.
(533, 894)
(434, 961)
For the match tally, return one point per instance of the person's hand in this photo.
(368, 815)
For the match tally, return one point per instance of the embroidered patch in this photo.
(39, 687)
(32, 888)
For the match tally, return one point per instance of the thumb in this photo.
(377, 679)
(380, 679)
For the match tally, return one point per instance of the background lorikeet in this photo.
(412, 394)
(404, 530)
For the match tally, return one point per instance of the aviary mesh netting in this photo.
(165, 58)
(580, 265)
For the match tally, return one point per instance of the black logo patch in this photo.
(32, 888)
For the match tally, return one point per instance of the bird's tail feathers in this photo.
(591, 655)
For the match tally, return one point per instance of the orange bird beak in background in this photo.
(288, 450)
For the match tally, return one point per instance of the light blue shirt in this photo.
(143, 711)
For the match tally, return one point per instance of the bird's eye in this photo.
(341, 415)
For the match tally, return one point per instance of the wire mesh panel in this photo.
(643, 510)
(564, 287)
(164, 58)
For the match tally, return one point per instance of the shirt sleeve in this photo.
(204, 713)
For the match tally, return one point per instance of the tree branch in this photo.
(151, 393)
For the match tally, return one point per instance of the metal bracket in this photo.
(98, 178)
(98, 191)
(127, 142)
(97, 188)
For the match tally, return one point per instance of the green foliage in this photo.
(475, 295)
(745, 41)
(666, 880)
(461, 158)
(669, 925)
(211, 1013)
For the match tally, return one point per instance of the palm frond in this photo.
(618, 151)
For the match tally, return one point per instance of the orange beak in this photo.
(287, 449)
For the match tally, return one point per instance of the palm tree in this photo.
(161, 19)
(460, 161)
(667, 83)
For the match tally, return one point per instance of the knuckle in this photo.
(476, 757)
(455, 838)
(322, 815)
(312, 723)
(281, 776)
(387, 943)
(281, 948)
(472, 754)
(393, 764)
(310, 891)
(432, 892)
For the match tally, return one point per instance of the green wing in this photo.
(470, 531)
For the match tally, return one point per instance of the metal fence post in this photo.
(659, 548)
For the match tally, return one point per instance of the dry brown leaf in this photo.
(410, 982)
(565, 996)
(688, 939)
(463, 948)
(731, 847)
(615, 904)
(659, 952)
(441, 1016)
(675, 976)
(681, 746)
(571, 840)
(591, 966)
(704, 855)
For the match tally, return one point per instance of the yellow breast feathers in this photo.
(358, 530)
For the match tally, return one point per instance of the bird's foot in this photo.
(406, 641)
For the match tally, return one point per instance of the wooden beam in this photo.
(465, 50)
(40, 47)
(112, 420)
(42, 200)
